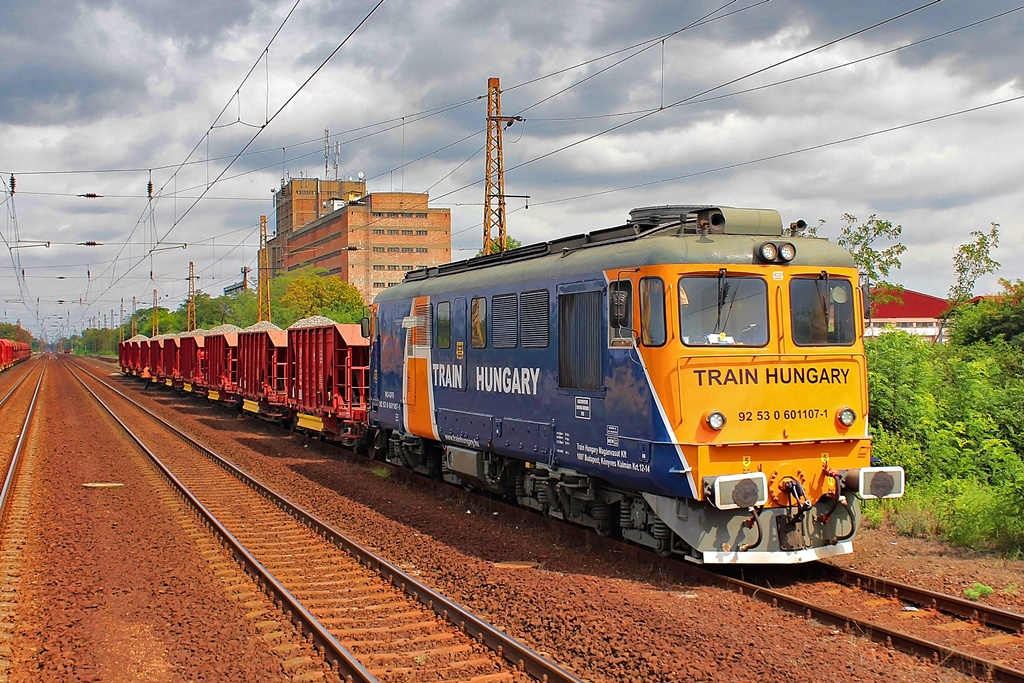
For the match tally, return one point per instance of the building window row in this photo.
(392, 214)
(396, 231)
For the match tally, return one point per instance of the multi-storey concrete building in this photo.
(369, 240)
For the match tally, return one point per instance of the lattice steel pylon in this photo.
(190, 322)
(494, 180)
(263, 276)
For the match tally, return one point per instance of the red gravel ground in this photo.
(121, 584)
(608, 617)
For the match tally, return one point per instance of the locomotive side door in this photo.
(418, 387)
(374, 356)
(459, 329)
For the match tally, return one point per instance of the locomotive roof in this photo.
(637, 243)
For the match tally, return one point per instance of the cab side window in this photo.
(620, 313)
(652, 312)
(444, 325)
(478, 323)
(821, 310)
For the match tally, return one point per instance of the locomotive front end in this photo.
(765, 385)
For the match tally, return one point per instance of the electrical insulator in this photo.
(13, 183)
(149, 189)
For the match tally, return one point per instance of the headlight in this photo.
(876, 482)
(787, 252)
(767, 252)
(715, 420)
(847, 417)
(732, 491)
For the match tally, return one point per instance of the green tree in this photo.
(874, 264)
(313, 294)
(973, 260)
(15, 333)
(970, 261)
(992, 319)
(510, 244)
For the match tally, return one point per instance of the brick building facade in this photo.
(369, 240)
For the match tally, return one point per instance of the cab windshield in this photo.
(723, 310)
(822, 311)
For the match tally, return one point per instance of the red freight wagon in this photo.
(127, 354)
(169, 373)
(155, 358)
(144, 358)
(192, 361)
(12, 352)
(328, 377)
(135, 348)
(221, 346)
(262, 366)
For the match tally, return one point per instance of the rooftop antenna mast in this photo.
(494, 187)
(327, 152)
(263, 276)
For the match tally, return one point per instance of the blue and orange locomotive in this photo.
(693, 381)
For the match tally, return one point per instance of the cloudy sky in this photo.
(816, 108)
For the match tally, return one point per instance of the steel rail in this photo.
(983, 614)
(15, 387)
(513, 651)
(978, 667)
(332, 650)
(12, 468)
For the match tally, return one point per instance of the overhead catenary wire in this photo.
(684, 100)
(761, 70)
(751, 161)
(270, 119)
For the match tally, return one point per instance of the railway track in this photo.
(964, 620)
(369, 618)
(850, 612)
(14, 502)
(981, 613)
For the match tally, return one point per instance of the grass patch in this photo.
(967, 514)
(382, 472)
(978, 591)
